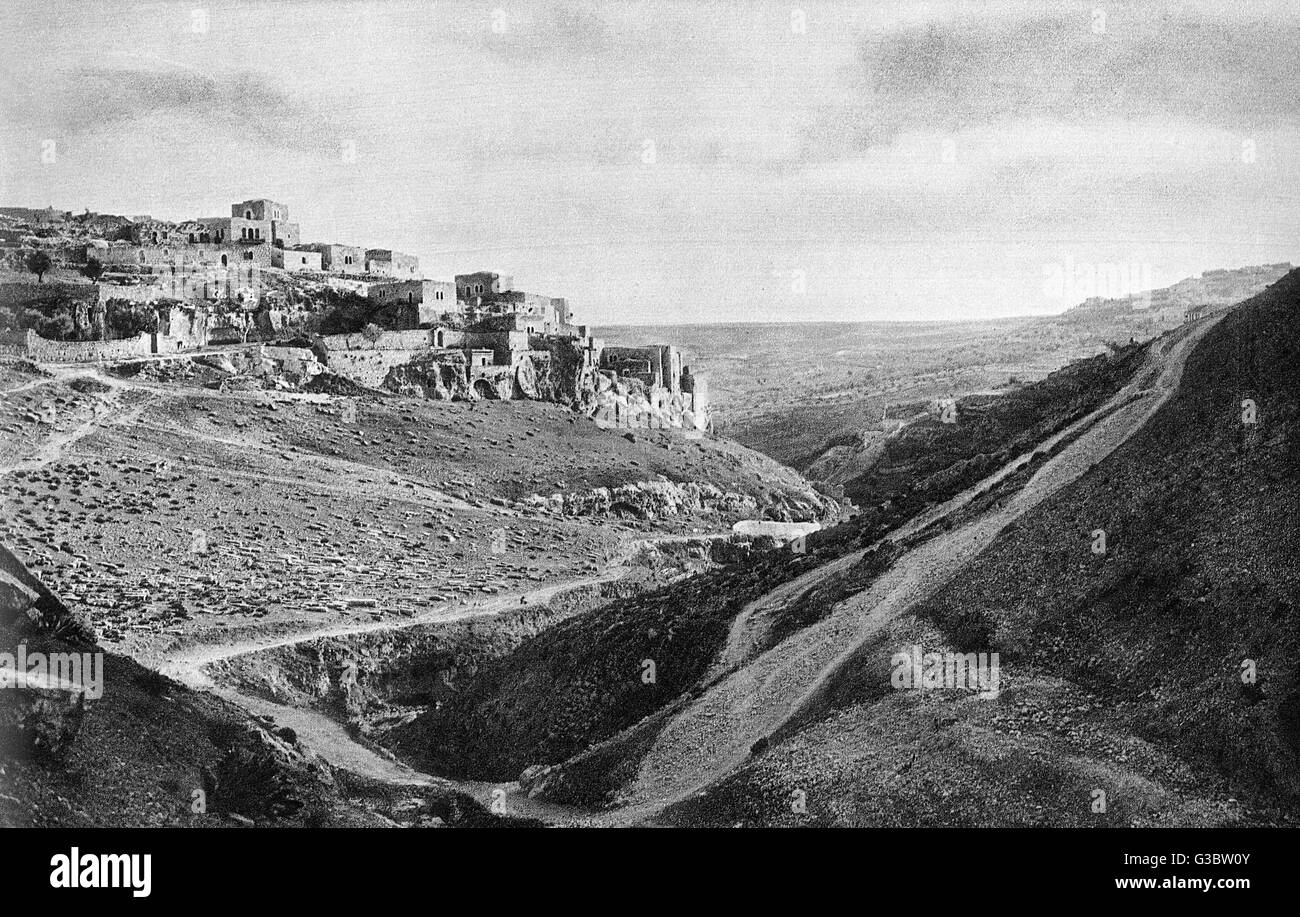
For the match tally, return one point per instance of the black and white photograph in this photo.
(878, 418)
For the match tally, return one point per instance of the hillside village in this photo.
(424, 602)
(102, 287)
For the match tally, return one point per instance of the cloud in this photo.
(952, 76)
(90, 99)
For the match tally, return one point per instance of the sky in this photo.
(695, 161)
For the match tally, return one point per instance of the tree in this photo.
(126, 320)
(55, 325)
(94, 269)
(38, 262)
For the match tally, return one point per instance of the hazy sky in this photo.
(703, 161)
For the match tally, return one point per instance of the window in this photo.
(248, 214)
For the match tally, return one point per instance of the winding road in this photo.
(749, 699)
(714, 734)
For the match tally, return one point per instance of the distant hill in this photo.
(813, 395)
(1213, 288)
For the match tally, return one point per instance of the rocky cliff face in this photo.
(629, 403)
(435, 376)
(560, 376)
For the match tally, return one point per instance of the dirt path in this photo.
(328, 739)
(714, 734)
(188, 665)
(29, 385)
(59, 441)
(746, 630)
(331, 741)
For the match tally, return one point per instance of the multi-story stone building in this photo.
(295, 259)
(340, 259)
(388, 263)
(271, 212)
(482, 286)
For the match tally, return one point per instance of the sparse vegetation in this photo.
(38, 262)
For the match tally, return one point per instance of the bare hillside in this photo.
(1159, 673)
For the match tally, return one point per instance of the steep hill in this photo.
(184, 512)
(1158, 678)
(148, 752)
(583, 681)
(1121, 693)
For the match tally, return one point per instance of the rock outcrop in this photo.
(437, 376)
(660, 499)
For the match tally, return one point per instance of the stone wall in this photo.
(368, 367)
(506, 346)
(180, 255)
(654, 364)
(43, 351)
(191, 282)
(291, 259)
(389, 340)
(695, 390)
(629, 404)
(33, 347)
(367, 361)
